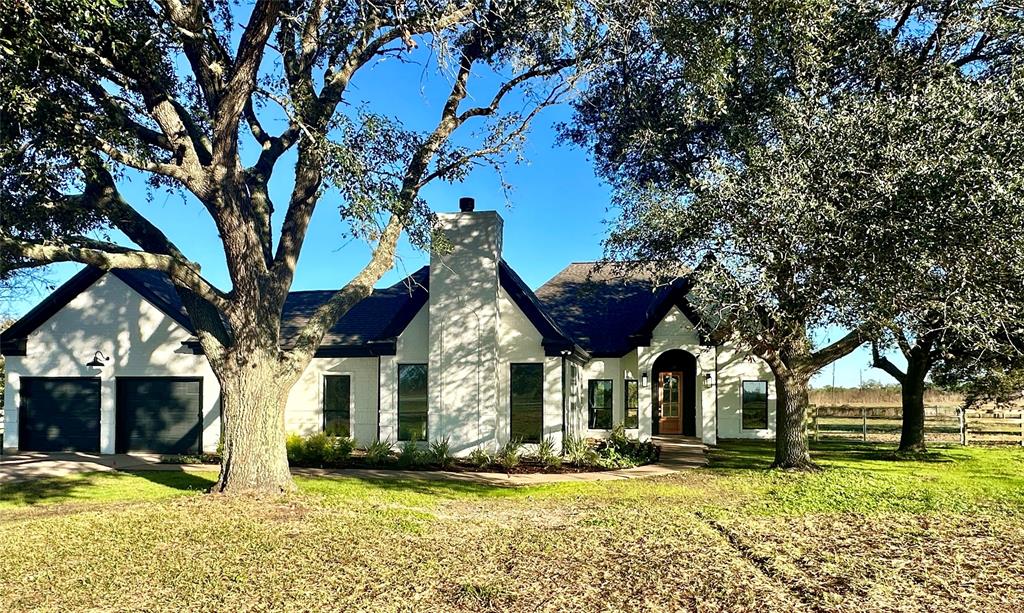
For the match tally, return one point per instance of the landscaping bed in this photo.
(578, 455)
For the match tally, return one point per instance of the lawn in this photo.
(943, 532)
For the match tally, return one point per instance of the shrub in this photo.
(510, 454)
(410, 455)
(340, 450)
(480, 458)
(578, 452)
(441, 453)
(620, 451)
(378, 452)
(318, 450)
(546, 453)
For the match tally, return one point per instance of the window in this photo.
(754, 411)
(412, 402)
(632, 403)
(526, 403)
(599, 399)
(337, 399)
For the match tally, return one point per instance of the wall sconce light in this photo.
(643, 379)
(709, 379)
(98, 360)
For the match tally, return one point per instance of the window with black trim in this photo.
(412, 402)
(599, 401)
(526, 402)
(632, 403)
(337, 405)
(754, 410)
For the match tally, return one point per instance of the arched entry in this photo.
(674, 390)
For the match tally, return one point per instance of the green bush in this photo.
(578, 452)
(318, 450)
(441, 453)
(378, 452)
(410, 455)
(546, 453)
(620, 451)
(510, 454)
(480, 458)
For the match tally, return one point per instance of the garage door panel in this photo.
(159, 415)
(59, 414)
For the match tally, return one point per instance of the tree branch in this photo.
(826, 355)
(107, 256)
(881, 362)
(242, 81)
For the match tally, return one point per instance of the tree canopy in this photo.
(189, 94)
(831, 164)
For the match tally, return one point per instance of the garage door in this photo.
(59, 414)
(159, 415)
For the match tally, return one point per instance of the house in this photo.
(461, 348)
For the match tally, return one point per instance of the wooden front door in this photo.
(670, 397)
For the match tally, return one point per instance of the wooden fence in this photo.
(942, 424)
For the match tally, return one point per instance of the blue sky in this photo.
(554, 215)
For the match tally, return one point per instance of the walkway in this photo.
(677, 453)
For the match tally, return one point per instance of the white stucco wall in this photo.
(141, 340)
(519, 342)
(304, 413)
(676, 331)
(413, 348)
(735, 366)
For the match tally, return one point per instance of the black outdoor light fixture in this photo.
(643, 379)
(98, 360)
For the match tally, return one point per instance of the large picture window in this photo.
(526, 403)
(754, 412)
(632, 403)
(412, 402)
(337, 409)
(600, 403)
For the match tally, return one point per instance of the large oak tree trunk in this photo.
(791, 447)
(254, 390)
(912, 432)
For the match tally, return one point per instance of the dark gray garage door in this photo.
(159, 414)
(59, 414)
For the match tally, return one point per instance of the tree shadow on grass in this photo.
(758, 455)
(95, 486)
(368, 486)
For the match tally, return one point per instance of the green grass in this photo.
(869, 532)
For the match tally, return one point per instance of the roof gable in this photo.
(371, 327)
(610, 310)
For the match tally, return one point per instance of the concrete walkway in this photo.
(677, 453)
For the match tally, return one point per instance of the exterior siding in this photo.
(141, 340)
(520, 342)
(676, 331)
(304, 413)
(734, 367)
(412, 349)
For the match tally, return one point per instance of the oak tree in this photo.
(187, 94)
(790, 148)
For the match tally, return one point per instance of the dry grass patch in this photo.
(868, 533)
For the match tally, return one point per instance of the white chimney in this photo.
(462, 376)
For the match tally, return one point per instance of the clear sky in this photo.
(554, 215)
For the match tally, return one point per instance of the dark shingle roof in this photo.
(368, 328)
(609, 310)
(379, 318)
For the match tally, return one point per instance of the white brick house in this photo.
(460, 349)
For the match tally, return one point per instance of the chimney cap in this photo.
(466, 204)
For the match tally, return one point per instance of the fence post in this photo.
(864, 420)
(962, 415)
(816, 425)
(1022, 428)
